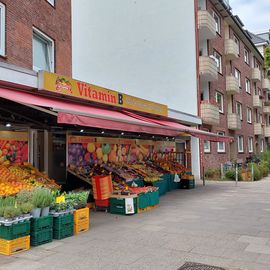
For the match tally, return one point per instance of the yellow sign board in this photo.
(60, 199)
(63, 85)
(13, 136)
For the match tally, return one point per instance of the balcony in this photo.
(258, 130)
(266, 107)
(267, 131)
(232, 86)
(208, 69)
(209, 113)
(256, 74)
(206, 25)
(234, 122)
(257, 102)
(231, 49)
(266, 84)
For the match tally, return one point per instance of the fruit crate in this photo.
(41, 237)
(63, 232)
(15, 230)
(143, 200)
(10, 247)
(81, 215)
(118, 206)
(153, 198)
(63, 221)
(81, 226)
(162, 186)
(42, 223)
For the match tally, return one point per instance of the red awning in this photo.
(86, 115)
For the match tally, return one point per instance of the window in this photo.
(221, 145)
(43, 52)
(250, 145)
(237, 75)
(247, 82)
(217, 20)
(239, 110)
(236, 40)
(51, 2)
(262, 145)
(246, 56)
(249, 115)
(218, 60)
(240, 144)
(220, 102)
(2, 29)
(207, 146)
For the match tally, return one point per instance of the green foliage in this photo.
(267, 57)
(11, 212)
(42, 197)
(231, 174)
(77, 199)
(24, 196)
(26, 208)
(9, 201)
(257, 173)
(2, 209)
(213, 173)
(264, 168)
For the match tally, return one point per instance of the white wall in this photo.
(145, 48)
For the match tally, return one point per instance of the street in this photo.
(220, 225)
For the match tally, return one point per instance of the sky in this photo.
(255, 14)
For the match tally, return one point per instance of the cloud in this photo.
(255, 14)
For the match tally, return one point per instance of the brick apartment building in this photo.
(36, 34)
(233, 86)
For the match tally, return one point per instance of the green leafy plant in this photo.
(77, 199)
(231, 174)
(48, 198)
(26, 208)
(267, 57)
(2, 209)
(257, 173)
(37, 197)
(9, 201)
(213, 173)
(11, 212)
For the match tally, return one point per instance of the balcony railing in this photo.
(209, 112)
(231, 49)
(258, 130)
(232, 86)
(234, 122)
(257, 102)
(208, 69)
(206, 25)
(266, 84)
(256, 74)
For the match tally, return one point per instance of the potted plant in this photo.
(2, 209)
(10, 214)
(37, 201)
(46, 202)
(24, 196)
(26, 208)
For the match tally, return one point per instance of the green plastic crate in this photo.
(42, 223)
(162, 185)
(167, 178)
(117, 206)
(41, 237)
(63, 221)
(174, 185)
(64, 232)
(15, 230)
(153, 198)
(137, 181)
(143, 200)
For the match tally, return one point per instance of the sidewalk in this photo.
(219, 224)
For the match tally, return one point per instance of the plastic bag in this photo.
(176, 178)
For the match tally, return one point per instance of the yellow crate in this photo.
(81, 226)
(9, 247)
(146, 209)
(81, 215)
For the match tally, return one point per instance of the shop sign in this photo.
(80, 139)
(66, 86)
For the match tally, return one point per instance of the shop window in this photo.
(249, 115)
(246, 56)
(221, 145)
(239, 110)
(247, 82)
(218, 59)
(2, 28)
(217, 20)
(250, 145)
(43, 51)
(237, 75)
(240, 144)
(207, 146)
(220, 101)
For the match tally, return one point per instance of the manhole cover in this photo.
(198, 266)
